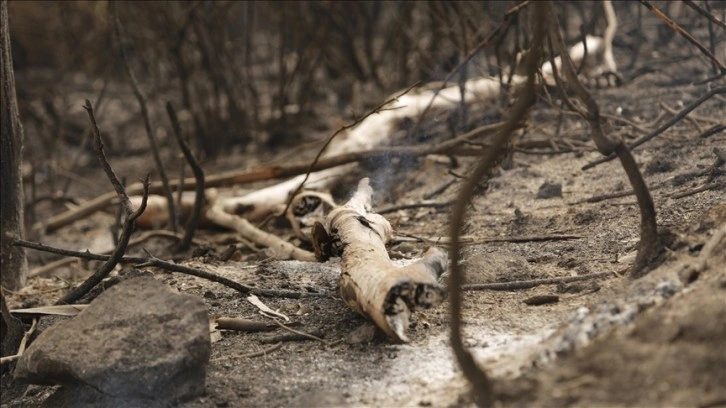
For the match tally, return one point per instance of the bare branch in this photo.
(705, 13)
(141, 98)
(650, 245)
(502, 27)
(683, 33)
(128, 227)
(172, 267)
(198, 176)
(662, 128)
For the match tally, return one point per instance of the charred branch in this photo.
(128, 225)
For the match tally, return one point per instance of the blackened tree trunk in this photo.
(13, 265)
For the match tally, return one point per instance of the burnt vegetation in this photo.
(194, 88)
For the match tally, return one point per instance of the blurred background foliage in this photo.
(246, 72)
(251, 75)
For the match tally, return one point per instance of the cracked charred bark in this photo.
(12, 259)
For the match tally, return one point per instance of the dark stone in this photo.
(140, 341)
(549, 190)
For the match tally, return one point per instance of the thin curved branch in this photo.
(128, 227)
(141, 98)
(662, 128)
(650, 245)
(198, 176)
(683, 33)
(526, 98)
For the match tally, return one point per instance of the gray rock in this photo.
(138, 341)
(549, 190)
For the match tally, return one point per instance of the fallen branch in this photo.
(152, 261)
(359, 143)
(243, 325)
(712, 131)
(260, 353)
(604, 197)
(304, 335)
(533, 238)
(278, 248)
(541, 300)
(283, 338)
(528, 284)
(260, 174)
(141, 238)
(370, 283)
(709, 186)
(172, 267)
(479, 240)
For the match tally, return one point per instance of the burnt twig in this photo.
(198, 175)
(260, 353)
(141, 98)
(308, 336)
(675, 119)
(683, 33)
(172, 267)
(153, 261)
(128, 226)
(705, 13)
(712, 131)
(498, 31)
(282, 338)
(243, 325)
(528, 284)
(709, 186)
(141, 238)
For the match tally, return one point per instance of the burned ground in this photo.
(605, 342)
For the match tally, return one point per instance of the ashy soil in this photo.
(658, 341)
